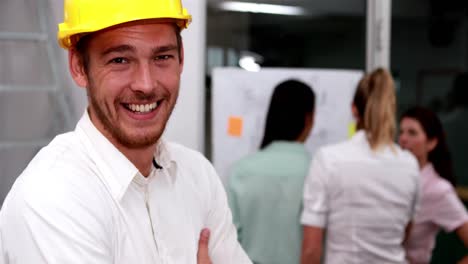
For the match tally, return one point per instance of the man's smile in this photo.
(141, 108)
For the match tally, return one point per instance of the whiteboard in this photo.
(240, 101)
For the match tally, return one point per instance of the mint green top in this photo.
(265, 195)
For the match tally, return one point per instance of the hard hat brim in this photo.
(68, 37)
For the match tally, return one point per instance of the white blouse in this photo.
(364, 200)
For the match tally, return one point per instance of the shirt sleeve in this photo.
(42, 228)
(315, 203)
(449, 212)
(416, 203)
(233, 200)
(224, 248)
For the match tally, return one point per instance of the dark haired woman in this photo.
(265, 188)
(421, 132)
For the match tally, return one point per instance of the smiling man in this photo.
(112, 191)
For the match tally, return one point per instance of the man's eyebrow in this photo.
(119, 48)
(164, 48)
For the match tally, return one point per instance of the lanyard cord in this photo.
(156, 165)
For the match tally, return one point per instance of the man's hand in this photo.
(202, 256)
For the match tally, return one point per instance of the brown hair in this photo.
(376, 106)
(440, 156)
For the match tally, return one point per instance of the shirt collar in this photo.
(360, 136)
(290, 146)
(163, 155)
(428, 170)
(115, 169)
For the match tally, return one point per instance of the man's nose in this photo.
(143, 78)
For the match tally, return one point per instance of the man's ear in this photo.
(181, 59)
(77, 69)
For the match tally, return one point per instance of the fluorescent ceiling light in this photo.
(248, 63)
(262, 8)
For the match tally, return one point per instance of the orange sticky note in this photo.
(235, 124)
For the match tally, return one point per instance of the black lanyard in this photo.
(156, 165)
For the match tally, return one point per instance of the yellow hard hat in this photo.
(85, 16)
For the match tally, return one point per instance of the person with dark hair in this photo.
(422, 133)
(363, 191)
(264, 189)
(290, 116)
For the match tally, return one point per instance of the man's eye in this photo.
(163, 57)
(118, 60)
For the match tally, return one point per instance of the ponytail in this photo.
(376, 105)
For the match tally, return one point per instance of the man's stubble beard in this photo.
(114, 130)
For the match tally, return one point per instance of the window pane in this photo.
(429, 50)
(19, 16)
(24, 63)
(29, 115)
(329, 34)
(326, 34)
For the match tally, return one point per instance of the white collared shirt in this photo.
(364, 200)
(80, 200)
(439, 208)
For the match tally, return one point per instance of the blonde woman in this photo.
(362, 192)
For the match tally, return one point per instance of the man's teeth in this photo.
(142, 108)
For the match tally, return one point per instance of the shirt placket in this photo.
(159, 244)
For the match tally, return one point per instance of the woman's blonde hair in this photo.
(375, 102)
